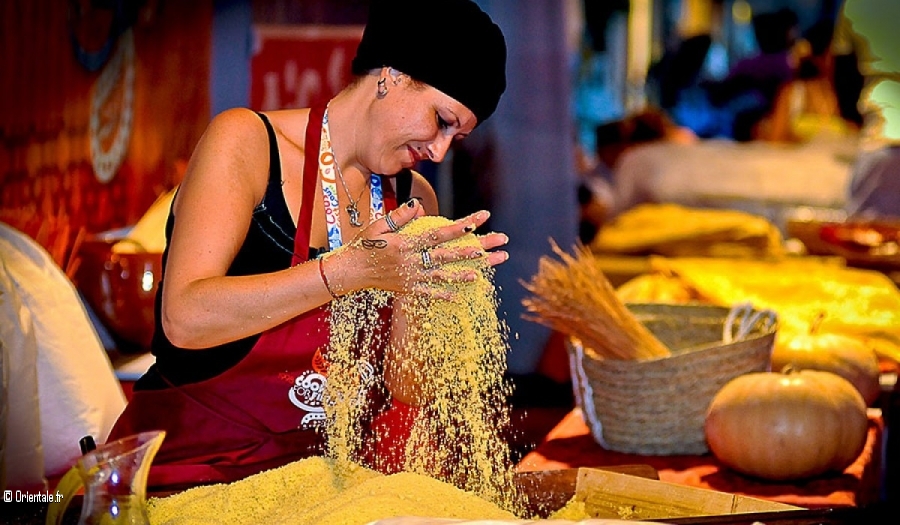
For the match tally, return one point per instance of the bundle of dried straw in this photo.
(574, 297)
(52, 229)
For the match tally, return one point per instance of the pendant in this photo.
(354, 215)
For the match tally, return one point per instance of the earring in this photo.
(396, 76)
(382, 89)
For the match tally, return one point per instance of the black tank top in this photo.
(268, 247)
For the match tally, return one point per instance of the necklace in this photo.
(351, 208)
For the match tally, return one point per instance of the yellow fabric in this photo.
(656, 288)
(860, 303)
(674, 231)
(806, 126)
(149, 233)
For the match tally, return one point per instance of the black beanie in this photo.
(451, 45)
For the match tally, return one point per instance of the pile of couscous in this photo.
(311, 491)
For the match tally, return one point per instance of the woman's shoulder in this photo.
(246, 132)
(422, 189)
(234, 145)
(235, 117)
(416, 177)
(245, 121)
(290, 123)
(239, 127)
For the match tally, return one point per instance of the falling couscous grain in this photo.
(461, 348)
(457, 463)
(357, 330)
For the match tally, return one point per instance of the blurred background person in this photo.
(809, 107)
(599, 186)
(749, 90)
(866, 29)
(681, 81)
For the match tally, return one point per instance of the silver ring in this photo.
(427, 263)
(390, 222)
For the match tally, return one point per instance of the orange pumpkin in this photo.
(786, 426)
(843, 355)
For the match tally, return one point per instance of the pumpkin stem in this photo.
(816, 323)
(789, 369)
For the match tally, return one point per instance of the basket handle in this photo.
(584, 393)
(746, 319)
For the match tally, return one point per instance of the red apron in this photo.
(266, 410)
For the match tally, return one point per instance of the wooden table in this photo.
(570, 444)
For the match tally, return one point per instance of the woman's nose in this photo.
(437, 150)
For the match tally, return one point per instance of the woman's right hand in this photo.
(380, 258)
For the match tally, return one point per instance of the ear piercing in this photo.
(396, 75)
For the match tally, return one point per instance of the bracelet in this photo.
(325, 279)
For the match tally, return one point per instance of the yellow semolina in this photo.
(311, 491)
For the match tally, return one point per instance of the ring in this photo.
(390, 222)
(427, 263)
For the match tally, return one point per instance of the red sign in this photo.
(298, 66)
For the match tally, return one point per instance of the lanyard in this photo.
(329, 190)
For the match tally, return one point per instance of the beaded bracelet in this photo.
(325, 279)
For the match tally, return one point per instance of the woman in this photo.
(807, 108)
(252, 259)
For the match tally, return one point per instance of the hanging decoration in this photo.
(112, 110)
(95, 26)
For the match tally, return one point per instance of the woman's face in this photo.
(413, 122)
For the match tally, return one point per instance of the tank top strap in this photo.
(404, 185)
(274, 157)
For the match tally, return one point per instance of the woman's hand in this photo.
(381, 258)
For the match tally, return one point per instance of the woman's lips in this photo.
(414, 154)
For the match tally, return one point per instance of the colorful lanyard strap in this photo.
(329, 190)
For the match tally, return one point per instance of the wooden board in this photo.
(544, 491)
(605, 494)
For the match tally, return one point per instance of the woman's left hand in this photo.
(489, 242)
(406, 264)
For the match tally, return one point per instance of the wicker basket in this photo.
(658, 406)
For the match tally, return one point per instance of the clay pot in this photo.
(121, 289)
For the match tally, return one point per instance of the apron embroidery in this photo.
(307, 394)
